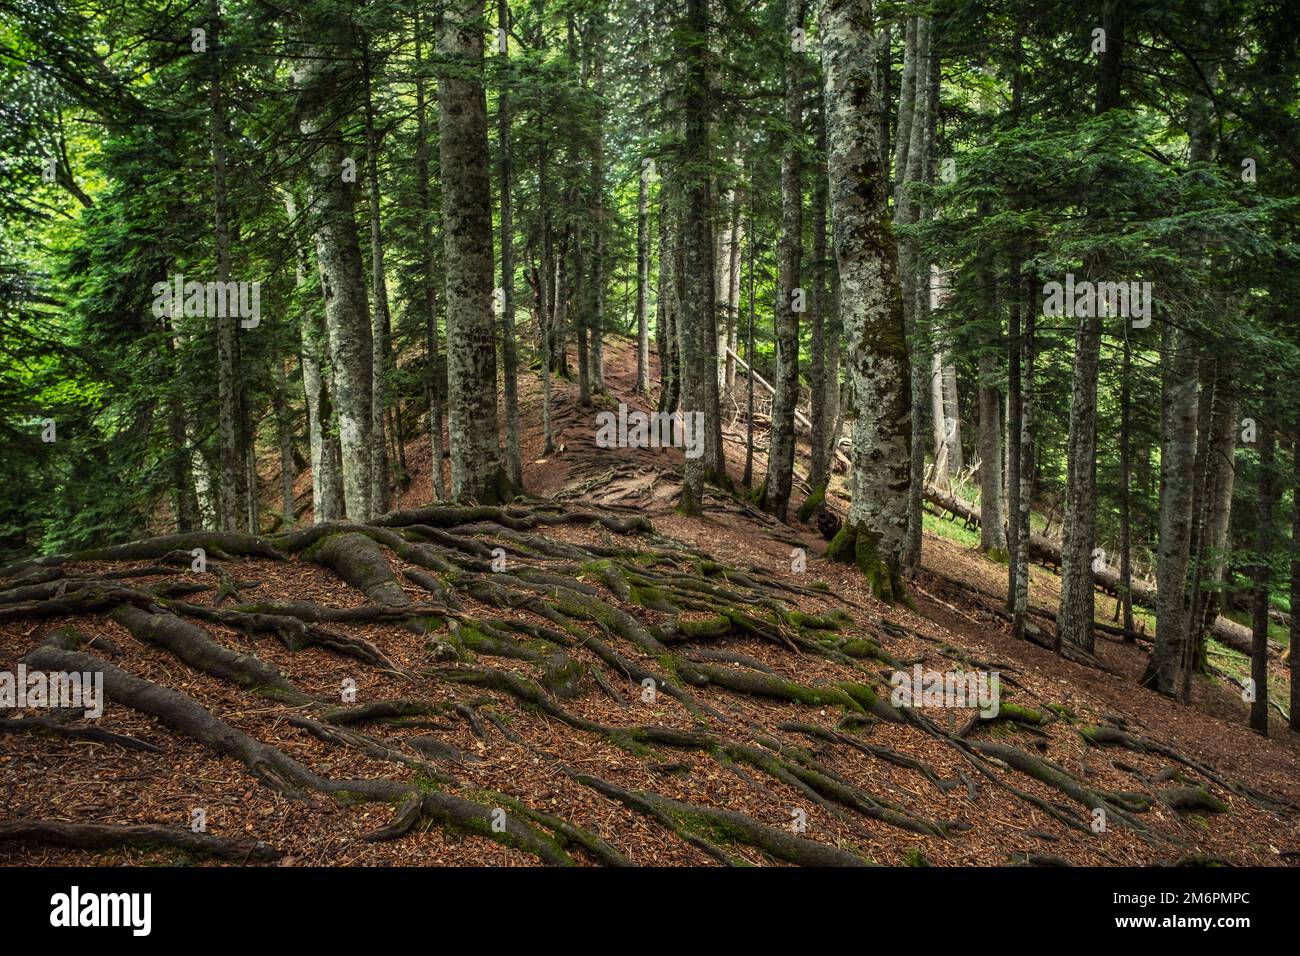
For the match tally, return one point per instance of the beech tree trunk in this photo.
(509, 362)
(327, 75)
(1260, 576)
(780, 454)
(380, 324)
(698, 368)
(643, 284)
(870, 301)
(436, 381)
(476, 472)
(231, 486)
(1080, 526)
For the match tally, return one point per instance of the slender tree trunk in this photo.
(668, 312)
(284, 436)
(1075, 619)
(1177, 467)
(380, 324)
(822, 412)
(913, 277)
(870, 301)
(436, 382)
(326, 76)
(509, 361)
(780, 454)
(580, 313)
(992, 533)
(476, 472)
(231, 484)
(1125, 480)
(596, 360)
(1025, 496)
(1260, 575)
(697, 319)
(748, 478)
(906, 109)
(1295, 587)
(643, 284)
(326, 456)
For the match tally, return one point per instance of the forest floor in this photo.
(631, 686)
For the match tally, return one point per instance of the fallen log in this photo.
(1047, 553)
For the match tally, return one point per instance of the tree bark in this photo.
(231, 487)
(780, 453)
(1260, 576)
(436, 379)
(380, 322)
(325, 79)
(870, 302)
(643, 284)
(509, 361)
(697, 319)
(476, 472)
(1077, 607)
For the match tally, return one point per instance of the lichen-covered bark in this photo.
(326, 489)
(642, 288)
(467, 240)
(993, 536)
(780, 455)
(1178, 402)
(1074, 622)
(327, 75)
(698, 343)
(509, 362)
(870, 301)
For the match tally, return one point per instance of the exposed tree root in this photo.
(102, 836)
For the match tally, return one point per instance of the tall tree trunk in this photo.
(1125, 482)
(509, 361)
(436, 380)
(668, 310)
(185, 500)
(870, 302)
(697, 318)
(1075, 619)
(1260, 576)
(476, 472)
(1177, 467)
(1025, 491)
(1295, 587)
(780, 454)
(596, 360)
(733, 296)
(325, 79)
(581, 312)
(326, 456)
(913, 277)
(642, 284)
(231, 486)
(993, 536)
(284, 436)
(906, 109)
(822, 412)
(1169, 669)
(380, 323)
(748, 478)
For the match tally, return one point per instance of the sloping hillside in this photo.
(587, 677)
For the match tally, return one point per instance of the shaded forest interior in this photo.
(611, 400)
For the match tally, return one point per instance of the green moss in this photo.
(812, 502)
(717, 626)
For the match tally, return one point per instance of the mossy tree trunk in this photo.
(870, 301)
(467, 238)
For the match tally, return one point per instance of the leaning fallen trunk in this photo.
(1048, 553)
